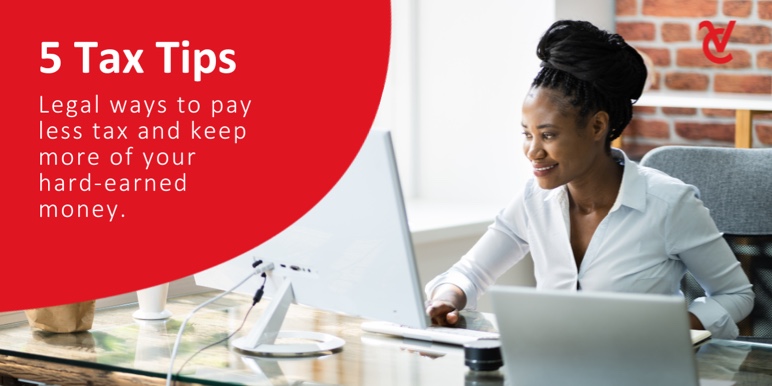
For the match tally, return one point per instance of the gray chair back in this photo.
(736, 186)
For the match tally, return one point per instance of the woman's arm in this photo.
(694, 322)
(694, 238)
(501, 246)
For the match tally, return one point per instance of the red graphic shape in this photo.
(312, 73)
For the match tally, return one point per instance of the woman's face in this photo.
(559, 148)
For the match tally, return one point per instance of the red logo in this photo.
(713, 36)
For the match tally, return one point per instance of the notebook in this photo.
(553, 337)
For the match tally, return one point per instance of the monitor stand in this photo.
(262, 338)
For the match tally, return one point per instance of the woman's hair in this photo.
(597, 70)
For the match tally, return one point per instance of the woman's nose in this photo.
(534, 150)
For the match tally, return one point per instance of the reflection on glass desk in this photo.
(122, 350)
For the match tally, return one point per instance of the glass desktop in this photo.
(120, 344)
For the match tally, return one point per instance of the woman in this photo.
(592, 219)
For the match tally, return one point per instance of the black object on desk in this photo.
(483, 355)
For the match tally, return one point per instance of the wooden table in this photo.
(745, 106)
(122, 351)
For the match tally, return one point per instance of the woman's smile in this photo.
(540, 170)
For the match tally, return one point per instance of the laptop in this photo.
(551, 337)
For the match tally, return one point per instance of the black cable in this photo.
(259, 293)
(255, 300)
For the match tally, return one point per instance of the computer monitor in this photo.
(351, 253)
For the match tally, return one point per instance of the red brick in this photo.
(694, 57)
(676, 32)
(718, 113)
(627, 7)
(740, 8)
(751, 84)
(679, 110)
(636, 31)
(762, 116)
(648, 128)
(715, 131)
(659, 56)
(764, 133)
(644, 109)
(764, 59)
(751, 34)
(680, 8)
(686, 81)
(764, 9)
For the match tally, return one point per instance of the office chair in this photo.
(736, 186)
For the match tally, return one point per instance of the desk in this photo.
(120, 351)
(745, 106)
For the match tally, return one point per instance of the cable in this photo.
(257, 271)
(255, 300)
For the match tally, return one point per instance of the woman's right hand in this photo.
(447, 300)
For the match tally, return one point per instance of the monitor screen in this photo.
(351, 254)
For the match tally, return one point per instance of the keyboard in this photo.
(448, 335)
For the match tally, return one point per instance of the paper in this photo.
(65, 318)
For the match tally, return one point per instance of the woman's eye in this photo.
(527, 135)
(548, 135)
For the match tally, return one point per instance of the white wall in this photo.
(398, 110)
(602, 13)
(457, 75)
(476, 62)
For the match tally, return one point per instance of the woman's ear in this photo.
(599, 124)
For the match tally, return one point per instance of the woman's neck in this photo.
(598, 189)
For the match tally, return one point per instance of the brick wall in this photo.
(668, 32)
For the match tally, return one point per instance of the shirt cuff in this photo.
(714, 318)
(459, 280)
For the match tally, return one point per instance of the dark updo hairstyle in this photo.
(596, 69)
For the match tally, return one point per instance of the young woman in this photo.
(592, 219)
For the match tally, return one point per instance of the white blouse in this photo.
(655, 231)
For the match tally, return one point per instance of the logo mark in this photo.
(720, 43)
